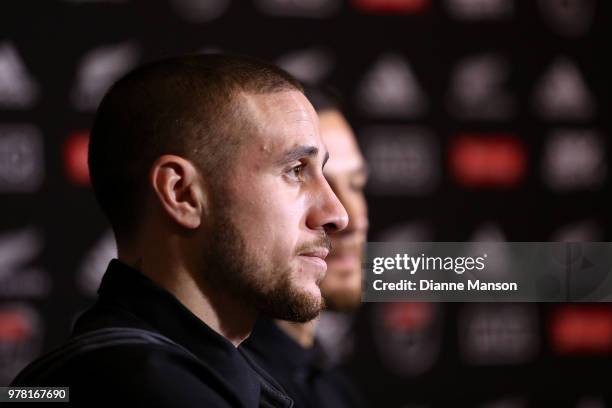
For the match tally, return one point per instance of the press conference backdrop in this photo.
(480, 120)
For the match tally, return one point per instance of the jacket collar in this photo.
(280, 350)
(128, 288)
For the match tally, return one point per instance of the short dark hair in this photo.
(186, 105)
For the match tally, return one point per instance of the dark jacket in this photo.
(303, 373)
(163, 355)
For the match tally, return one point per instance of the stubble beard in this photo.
(269, 288)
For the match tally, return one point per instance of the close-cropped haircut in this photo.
(188, 106)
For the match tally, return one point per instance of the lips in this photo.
(317, 253)
(317, 257)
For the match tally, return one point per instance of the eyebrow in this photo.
(300, 152)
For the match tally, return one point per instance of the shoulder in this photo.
(151, 374)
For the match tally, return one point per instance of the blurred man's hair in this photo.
(188, 106)
(324, 98)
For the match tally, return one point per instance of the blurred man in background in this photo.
(294, 353)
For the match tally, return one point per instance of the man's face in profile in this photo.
(347, 175)
(270, 223)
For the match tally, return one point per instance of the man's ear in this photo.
(179, 187)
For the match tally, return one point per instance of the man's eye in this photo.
(297, 172)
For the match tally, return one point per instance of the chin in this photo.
(313, 292)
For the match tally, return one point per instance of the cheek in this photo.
(269, 219)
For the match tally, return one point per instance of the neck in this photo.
(217, 309)
(302, 333)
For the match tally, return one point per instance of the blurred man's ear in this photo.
(180, 190)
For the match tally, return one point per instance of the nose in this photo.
(327, 212)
